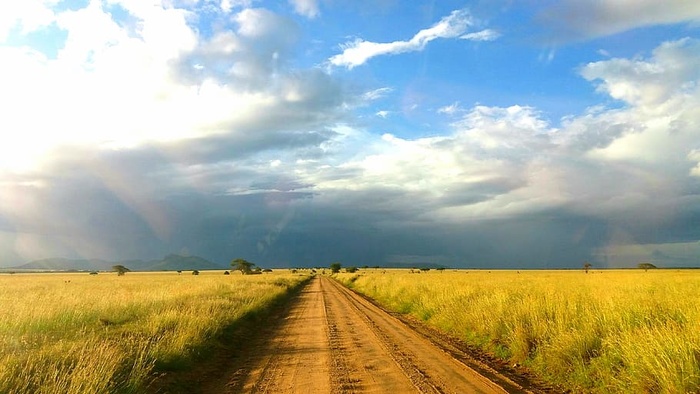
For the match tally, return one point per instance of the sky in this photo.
(480, 134)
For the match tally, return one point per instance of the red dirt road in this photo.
(334, 341)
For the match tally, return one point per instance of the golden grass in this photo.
(609, 331)
(77, 333)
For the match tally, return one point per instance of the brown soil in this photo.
(331, 340)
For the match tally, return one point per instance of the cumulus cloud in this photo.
(28, 16)
(627, 170)
(694, 155)
(358, 52)
(166, 83)
(574, 19)
(188, 117)
(669, 73)
(307, 8)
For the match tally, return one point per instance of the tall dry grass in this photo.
(610, 331)
(76, 333)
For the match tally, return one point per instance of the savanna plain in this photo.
(626, 331)
(80, 333)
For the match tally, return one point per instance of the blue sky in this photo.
(467, 133)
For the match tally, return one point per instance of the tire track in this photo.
(429, 369)
(297, 358)
(340, 377)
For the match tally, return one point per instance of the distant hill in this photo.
(170, 262)
(61, 264)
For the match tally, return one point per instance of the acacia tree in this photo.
(587, 266)
(120, 269)
(646, 266)
(242, 265)
(335, 267)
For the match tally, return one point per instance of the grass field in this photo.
(80, 333)
(605, 331)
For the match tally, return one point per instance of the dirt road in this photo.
(334, 341)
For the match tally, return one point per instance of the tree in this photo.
(195, 272)
(121, 270)
(242, 265)
(335, 267)
(587, 266)
(351, 270)
(646, 266)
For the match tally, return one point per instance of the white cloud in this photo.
(376, 94)
(672, 70)
(226, 6)
(382, 114)
(694, 155)
(576, 19)
(99, 56)
(114, 86)
(29, 15)
(483, 35)
(451, 109)
(307, 8)
(477, 170)
(258, 22)
(639, 161)
(358, 52)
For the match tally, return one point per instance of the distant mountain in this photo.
(170, 262)
(61, 264)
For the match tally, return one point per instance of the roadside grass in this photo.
(80, 333)
(607, 331)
